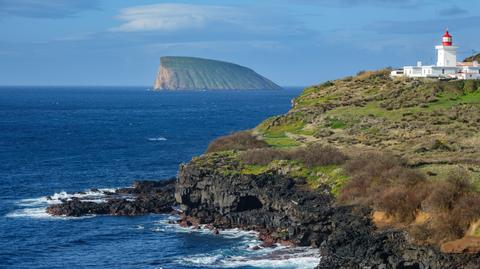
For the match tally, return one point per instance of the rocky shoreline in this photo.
(144, 197)
(281, 208)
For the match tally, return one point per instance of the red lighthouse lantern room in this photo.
(447, 39)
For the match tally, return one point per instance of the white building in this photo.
(446, 67)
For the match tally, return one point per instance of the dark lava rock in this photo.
(143, 198)
(355, 243)
(272, 203)
(283, 209)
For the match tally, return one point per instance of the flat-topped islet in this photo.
(188, 73)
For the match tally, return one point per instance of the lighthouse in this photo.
(446, 53)
(446, 67)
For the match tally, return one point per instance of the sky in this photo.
(292, 42)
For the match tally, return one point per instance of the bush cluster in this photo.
(311, 155)
(454, 203)
(236, 141)
(385, 183)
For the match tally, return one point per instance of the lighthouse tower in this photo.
(446, 53)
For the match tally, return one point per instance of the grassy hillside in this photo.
(409, 148)
(434, 125)
(473, 58)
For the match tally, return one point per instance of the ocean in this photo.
(58, 140)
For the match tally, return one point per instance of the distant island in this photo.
(188, 73)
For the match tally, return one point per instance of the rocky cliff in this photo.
(294, 193)
(284, 210)
(187, 73)
(291, 191)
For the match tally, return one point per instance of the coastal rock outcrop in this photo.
(188, 73)
(143, 198)
(269, 203)
(285, 211)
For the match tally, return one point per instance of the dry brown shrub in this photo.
(311, 155)
(318, 155)
(455, 204)
(387, 184)
(262, 156)
(445, 194)
(383, 181)
(236, 141)
(403, 203)
(371, 174)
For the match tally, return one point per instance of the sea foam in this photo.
(160, 138)
(35, 208)
(243, 253)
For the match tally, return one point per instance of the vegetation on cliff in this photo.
(475, 57)
(188, 73)
(409, 148)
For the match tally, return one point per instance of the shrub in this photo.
(311, 155)
(384, 182)
(236, 141)
(454, 204)
(369, 173)
(470, 86)
(403, 203)
(318, 155)
(446, 194)
(387, 184)
(262, 156)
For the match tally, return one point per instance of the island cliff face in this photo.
(188, 73)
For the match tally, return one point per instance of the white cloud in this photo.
(172, 17)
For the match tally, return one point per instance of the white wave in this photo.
(34, 213)
(243, 254)
(289, 257)
(299, 258)
(36, 207)
(202, 260)
(40, 213)
(170, 224)
(160, 138)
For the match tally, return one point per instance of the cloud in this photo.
(234, 22)
(45, 8)
(173, 17)
(452, 11)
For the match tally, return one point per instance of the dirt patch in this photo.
(468, 244)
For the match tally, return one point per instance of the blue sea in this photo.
(58, 140)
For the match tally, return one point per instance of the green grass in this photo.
(276, 136)
(371, 109)
(250, 169)
(281, 141)
(336, 123)
(442, 172)
(280, 130)
(332, 175)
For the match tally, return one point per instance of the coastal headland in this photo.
(376, 172)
